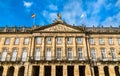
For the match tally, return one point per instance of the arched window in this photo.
(93, 54)
(103, 53)
(14, 54)
(37, 54)
(113, 53)
(80, 54)
(4, 54)
(24, 54)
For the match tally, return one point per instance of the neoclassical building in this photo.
(59, 49)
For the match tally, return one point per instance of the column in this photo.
(74, 48)
(41, 70)
(16, 69)
(43, 48)
(54, 48)
(111, 70)
(32, 46)
(101, 70)
(64, 70)
(76, 70)
(64, 48)
(5, 68)
(53, 71)
(88, 71)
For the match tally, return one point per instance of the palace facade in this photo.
(60, 49)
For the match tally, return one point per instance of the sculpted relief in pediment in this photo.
(59, 27)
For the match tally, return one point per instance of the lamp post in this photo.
(87, 47)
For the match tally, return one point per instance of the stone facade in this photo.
(60, 49)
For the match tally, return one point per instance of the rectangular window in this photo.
(79, 40)
(80, 54)
(17, 40)
(26, 41)
(59, 53)
(101, 41)
(91, 41)
(113, 53)
(37, 55)
(38, 40)
(7, 41)
(110, 41)
(59, 40)
(48, 54)
(69, 40)
(118, 40)
(4, 54)
(103, 53)
(48, 40)
(69, 53)
(93, 54)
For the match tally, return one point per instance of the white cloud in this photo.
(117, 3)
(53, 7)
(27, 4)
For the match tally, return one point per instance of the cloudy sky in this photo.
(78, 12)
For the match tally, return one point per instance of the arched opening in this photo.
(70, 70)
(35, 70)
(21, 71)
(59, 70)
(106, 71)
(81, 70)
(1, 70)
(117, 71)
(10, 71)
(96, 72)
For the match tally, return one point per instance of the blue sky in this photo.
(78, 12)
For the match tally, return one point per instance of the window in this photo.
(69, 53)
(59, 53)
(7, 41)
(91, 41)
(37, 54)
(26, 41)
(93, 54)
(118, 40)
(48, 40)
(101, 41)
(80, 55)
(113, 53)
(103, 53)
(59, 40)
(48, 54)
(14, 54)
(110, 41)
(24, 54)
(69, 40)
(38, 40)
(4, 54)
(79, 40)
(17, 40)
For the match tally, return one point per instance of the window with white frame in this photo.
(37, 54)
(17, 40)
(113, 53)
(26, 41)
(24, 54)
(118, 40)
(59, 40)
(69, 53)
(69, 40)
(59, 53)
(110, 41)
(4, 54)
(48, 54)
(91, 40)
(79, 40)
(38, 40)
(7, 41)
(80, 54)
(48, 40)
(101, 41)
(103, 53)
(14, 54)
(93, 53)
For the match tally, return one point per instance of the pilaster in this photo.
(101, 70)
(64, 70)
(41, 70)
(76, 70)
(111, 70)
